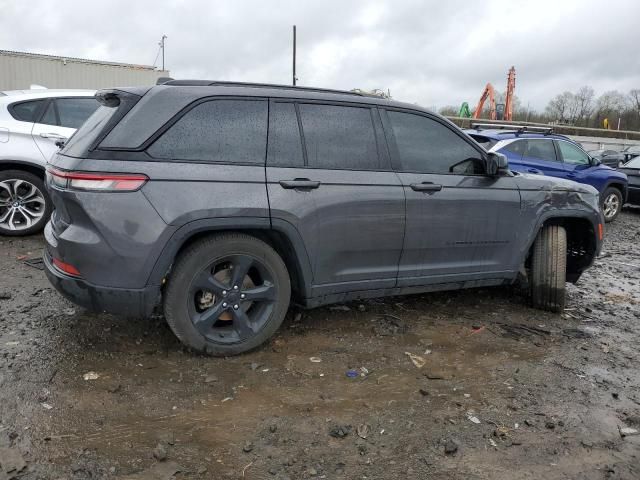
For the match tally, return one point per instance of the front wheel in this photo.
(549, 269)
(227, 294)
(611, 203)
(25, 205)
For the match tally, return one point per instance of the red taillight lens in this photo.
(105, 182)
(600, 231)
(66, 268)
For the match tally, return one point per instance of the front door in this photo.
(577, 163)
(461, 224)
(335, 186)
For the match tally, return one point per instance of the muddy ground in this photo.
(505, 392)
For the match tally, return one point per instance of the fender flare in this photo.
(553, 215)
(181, 235)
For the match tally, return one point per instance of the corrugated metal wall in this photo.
(20, 71)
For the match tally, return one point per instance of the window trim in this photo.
(395, 152)
(273, 101)
(172, 121)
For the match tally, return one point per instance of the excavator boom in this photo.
(489, 93)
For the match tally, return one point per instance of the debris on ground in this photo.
(363, 430)
(340, 431)
(91, 376)
(247, 447)
(159, 471)
(160, 452)
(472, 418)
(315, 359)
(451, 447)
(351, 373)
(340, 308)
(417, 360)
(628, 431)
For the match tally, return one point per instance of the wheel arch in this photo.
(282, 237)
(32, 168)
(620, 185)
(582, 245)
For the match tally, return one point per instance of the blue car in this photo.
(540, 151)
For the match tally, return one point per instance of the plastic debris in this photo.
(628, 431)
(315, 359)
(46, 406)
(352, 373)
(91, 376)
(472, 417)
(363, 430)
(417, 360)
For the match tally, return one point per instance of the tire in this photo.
(201, 304)
(611, 200)
(549, 269)
(25, 206)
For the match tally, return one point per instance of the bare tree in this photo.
(560, 107)
(634, 98)
(584, 101)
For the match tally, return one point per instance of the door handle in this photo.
(426, 187)
(304, 183)
(55, 136)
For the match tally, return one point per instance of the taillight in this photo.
(66, 267)
(103, 182)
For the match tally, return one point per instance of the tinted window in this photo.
(486, 142)
(339, 137)
(49, 117)
(231, 131)
(26, 111)
(73, 112)
(572, 154)
(81, 140)
(427, 146)
(516, 147)
(285, 144)
(540, 150)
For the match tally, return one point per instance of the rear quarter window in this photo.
(26, 111)
(225, 131)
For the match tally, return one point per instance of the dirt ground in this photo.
(500, 390)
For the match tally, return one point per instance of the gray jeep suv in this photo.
(224, 202)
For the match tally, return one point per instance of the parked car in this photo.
(176, 196)
(632, 170)
(541, 152)
(32, 122)
(631, 152)
(610, 158)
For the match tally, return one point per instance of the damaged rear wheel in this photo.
(549, 269)
(227, 294)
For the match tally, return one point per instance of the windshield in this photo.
(634, 163)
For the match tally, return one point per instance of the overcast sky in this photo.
(434, 53)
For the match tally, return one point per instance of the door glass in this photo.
(74, 111)
(226, 131)
(540, 149)
(427, 146)
(285, 144)
(49, 117)
(572, 154)
(339, 137)
(517, 147)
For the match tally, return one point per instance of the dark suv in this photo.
(223, 202)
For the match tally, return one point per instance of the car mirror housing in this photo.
(496, 163)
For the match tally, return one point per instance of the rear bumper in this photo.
(127, 302)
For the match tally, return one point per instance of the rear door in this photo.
(60, 119)
(329, 177)
(461, 224)
(539, 156)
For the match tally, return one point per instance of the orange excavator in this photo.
(500, 111)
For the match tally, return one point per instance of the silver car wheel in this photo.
(611, 205)
(22, 204)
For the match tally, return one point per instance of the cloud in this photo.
(431, 53)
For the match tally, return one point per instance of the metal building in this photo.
(19, 70)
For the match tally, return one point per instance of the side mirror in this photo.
(496, 163)
(595, 162)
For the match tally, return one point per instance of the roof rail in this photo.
(210, 83)
(516, 128)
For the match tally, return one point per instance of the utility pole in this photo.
(294, 55)
(164, 37)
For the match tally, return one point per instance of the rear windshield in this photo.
(81, 141)
(634, 163)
